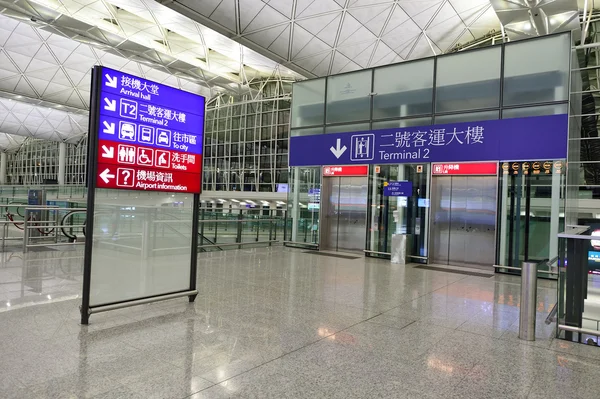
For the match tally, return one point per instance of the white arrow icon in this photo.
(111, 81)
(109, 152)
(109, 128)
(106, 175)
(337, 151)
(110, 105)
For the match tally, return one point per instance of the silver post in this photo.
(4, 234)
(25, 231)
(56, 224)
(528, 301)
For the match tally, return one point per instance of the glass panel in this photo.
(304, 203)
(578, 285)
(401, 123)
(537, 70)
(534, 111)
(588, 176)
(468, 80)
(308, 131)
(468, 117)
(413, 212)
(308, 103)
(403, 89)
(529, 236)
(146, 246)
(348, 97)
(355, 127)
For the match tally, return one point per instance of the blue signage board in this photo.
(531, 138)
(397, 189)
(149, 135)
(158, 95)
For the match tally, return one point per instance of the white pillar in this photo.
(295, 211)
(373, 227)
(401, 204)
(62, 163)
(504, 202)
(3, 157)
(554, 215)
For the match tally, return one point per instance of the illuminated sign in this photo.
(475, 168)
(347, 170)
(149, 135)
(514, 139)
(397, 189)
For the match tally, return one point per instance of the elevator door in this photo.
(344, 213)
(464, 220)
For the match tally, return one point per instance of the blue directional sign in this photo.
(541, 137)
(397, 189)
(149, 134)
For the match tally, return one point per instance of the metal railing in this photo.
(145, 230)
(577, 312)
(42, 227)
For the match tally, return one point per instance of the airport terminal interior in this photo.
(299, 199)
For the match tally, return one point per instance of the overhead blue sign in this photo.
(397, 189)
(518, 139)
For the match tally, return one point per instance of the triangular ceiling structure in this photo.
(346, 34)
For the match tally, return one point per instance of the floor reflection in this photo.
(279, 323)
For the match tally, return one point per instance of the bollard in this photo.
(25, 231)
(528, 301)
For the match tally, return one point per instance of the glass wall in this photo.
(348, 97)
(509, 80)
(533, 73)
(246, 142)
(467, 81)
(403, 89)
(36, 162)
(309, 103)
(399, 215)
(304, 204)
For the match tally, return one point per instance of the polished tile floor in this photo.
(282, 323)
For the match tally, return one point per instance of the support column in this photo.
(295, 213)
(3, 157)
(62, 163)
(554, 215)
(504, 202)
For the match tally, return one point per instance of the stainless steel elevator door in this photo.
(441, 189)
(480, 248)
(464, 220)
(352, 224)
(458, 220)
(330, 204)
(344, 213)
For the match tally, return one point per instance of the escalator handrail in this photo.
(210, 241)
(73, 237)
(70, 236)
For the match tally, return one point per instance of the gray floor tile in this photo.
(84, 385)
(120, 392)
(279, 323)
(170, 383)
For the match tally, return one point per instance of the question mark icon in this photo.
(127, 175)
